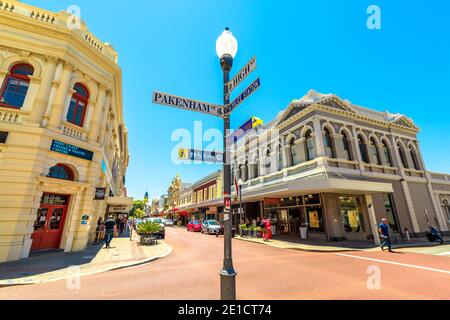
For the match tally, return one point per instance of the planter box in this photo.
(148, 239)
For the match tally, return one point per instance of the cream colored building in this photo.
(62, 132)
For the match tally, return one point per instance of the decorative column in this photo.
(373, 219)
(97, 117)
(358, 151)
(41, 102)
(3, 74)
(339, 146)
(318, 138)
(105, 119)
(61, 96)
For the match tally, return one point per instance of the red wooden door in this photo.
(48, 227)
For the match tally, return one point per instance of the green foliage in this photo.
(137, 204)
(140, 214)
(148, 227)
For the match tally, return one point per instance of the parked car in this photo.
(211, 227)
(162, 232)
(168, 223)
(194, 225)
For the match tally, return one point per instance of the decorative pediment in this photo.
(405, 122)
(336, 103)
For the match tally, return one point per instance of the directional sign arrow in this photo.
(244, 95)
(187, 104)
(242, 74)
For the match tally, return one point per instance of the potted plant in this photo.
(244, 230)
(146, 231)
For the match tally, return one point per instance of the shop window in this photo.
(328, 143)
(294, 156)
(363, 150)
(310, 148)
(402, 156)
(78, 105)
(315, 218)
(15, 86)
(352, 216)
(61, 172)
(391, 213)
(346, 145)
(387, 154)
(375, 153)
(311, 199)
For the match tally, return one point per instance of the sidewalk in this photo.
(54, 266)
(311, 245)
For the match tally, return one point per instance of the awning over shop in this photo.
(119, 204)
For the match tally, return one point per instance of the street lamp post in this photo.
(226, 47)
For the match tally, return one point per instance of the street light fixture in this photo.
(226, 48)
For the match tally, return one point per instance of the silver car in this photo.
(168, 222)
(211, 227)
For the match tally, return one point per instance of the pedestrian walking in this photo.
(384, 235)
(121, 225)
(267, 226)
(110, 231)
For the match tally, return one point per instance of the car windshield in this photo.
(196, 222)
(213, 223)
(158, 220)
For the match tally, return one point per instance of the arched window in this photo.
(61, 171)
(280, 156)
(15, 86)
(402, 156)
(446, 207)
(386, 153)
(415, 158)
(309, 143)
(346, 145)
(293, 150)
(78, 105)
(375, 153)
(328, 143)
(363, 150)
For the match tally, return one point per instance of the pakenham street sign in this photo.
(244, 95)
(242, 74)
(187, 104)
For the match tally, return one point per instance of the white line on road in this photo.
(394, 263)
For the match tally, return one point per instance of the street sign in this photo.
(242, 74)
(244, 95)
(200, 155)
(187, 104)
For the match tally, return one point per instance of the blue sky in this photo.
(169, 45)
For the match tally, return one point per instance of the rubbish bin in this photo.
(303, 232)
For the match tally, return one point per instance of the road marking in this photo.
(394, 263)
(444, 254)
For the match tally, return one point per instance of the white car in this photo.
(168, 222)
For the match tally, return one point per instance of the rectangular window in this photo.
(3, 136)
(352, 216)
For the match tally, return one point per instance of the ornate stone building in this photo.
(338, 168)
(63, 139)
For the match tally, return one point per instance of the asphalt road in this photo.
(264, 272)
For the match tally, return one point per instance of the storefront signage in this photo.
(314, 219)
(118, 209)
(70, 150)
(85, 220)
(100, 193)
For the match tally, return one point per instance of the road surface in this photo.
(264, 272)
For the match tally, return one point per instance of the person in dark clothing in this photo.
(110, 227)
(384, 235)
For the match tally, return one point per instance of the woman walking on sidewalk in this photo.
(267, 225)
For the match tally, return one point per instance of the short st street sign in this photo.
(244, 95)
(187, 104)
(200, 155)
(242, 74)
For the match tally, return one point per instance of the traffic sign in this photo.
(242, 74)
(244, 95)
(200, 155)
(187, 104)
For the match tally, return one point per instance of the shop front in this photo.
(49, 225)
(289, 215)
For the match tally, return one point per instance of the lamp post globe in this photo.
(226, 48)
